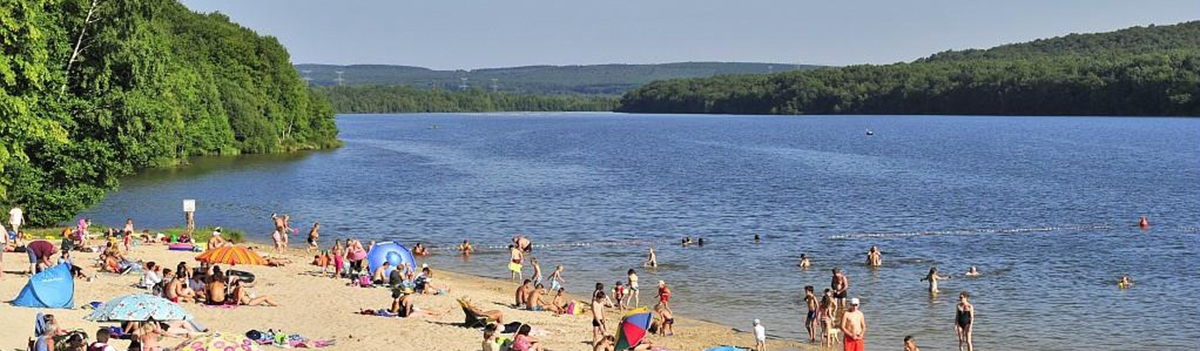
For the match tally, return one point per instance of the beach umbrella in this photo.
(232, 255)
(633, 328)
(138, 307)
(218, 342)
(391, 252)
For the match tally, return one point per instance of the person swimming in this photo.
(757, 239)
(972, 272)
(687, 240)
(1124, 282)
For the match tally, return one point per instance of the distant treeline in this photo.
(398, 99)
(1138, 71)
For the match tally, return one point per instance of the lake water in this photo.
(1044, 206)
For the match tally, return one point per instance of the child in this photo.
(664, 295)
(760, 336)
(619, 294)
(828, 308)
(537, 270)
(633, 290)
(556, 279)
(667, 328)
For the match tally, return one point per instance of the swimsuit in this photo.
(812, 315)
(852, 345)
(962, 318)
(595, 322)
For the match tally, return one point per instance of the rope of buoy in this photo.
(975, 231)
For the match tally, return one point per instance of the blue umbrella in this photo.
(138, 307)
(391, 252)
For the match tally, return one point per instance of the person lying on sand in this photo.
(493, 315)
(243, 298)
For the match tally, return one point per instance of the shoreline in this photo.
(328, 306)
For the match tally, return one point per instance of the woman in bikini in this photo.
(964, 322)
(244, 299)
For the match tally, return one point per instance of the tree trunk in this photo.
(78, 44)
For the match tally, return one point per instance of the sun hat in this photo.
(854, 301)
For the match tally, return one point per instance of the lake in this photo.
(1046, 207)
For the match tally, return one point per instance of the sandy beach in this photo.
(324, 308)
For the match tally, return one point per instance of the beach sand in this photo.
(324, 308)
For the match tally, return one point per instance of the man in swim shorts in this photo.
(854, 328)
(840, 285)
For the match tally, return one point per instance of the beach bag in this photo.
(364, 281)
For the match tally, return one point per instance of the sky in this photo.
(468, 34)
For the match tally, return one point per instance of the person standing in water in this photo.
(514, 264)
(854, 328)
(874, 258)
(652, 261)
(804, 263)
(522, 243)
(465, 248)
(810, 322)
(933, 279)
(964, 322)
(312, 237)
(840, 285)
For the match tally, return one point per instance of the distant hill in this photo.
(1134, 40)
(1140, 71)
(608, 79)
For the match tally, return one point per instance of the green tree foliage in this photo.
(610, 79)
(1140, 71)
(395, 99)
(149, 83)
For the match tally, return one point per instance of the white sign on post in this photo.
(189, 205)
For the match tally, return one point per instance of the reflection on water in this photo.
(1042, 206)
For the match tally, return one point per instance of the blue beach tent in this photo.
(52, 288)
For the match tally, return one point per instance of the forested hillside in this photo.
(91, 90)
(1139, 71)
(395, 99)
(611, 79)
